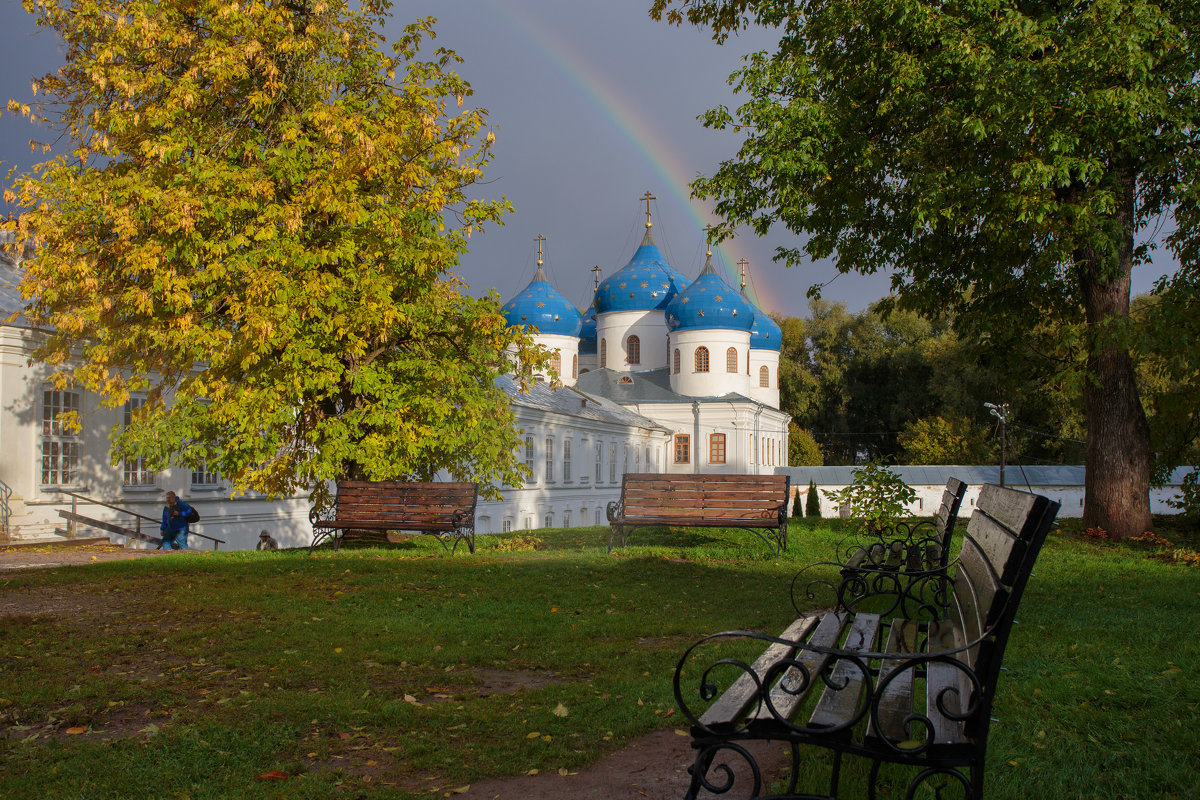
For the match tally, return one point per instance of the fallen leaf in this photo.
(274, 775)
(461, 789)
(76, 730)
(532, 735)
(560, 710)
(680, 733)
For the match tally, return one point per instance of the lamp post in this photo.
(1000, 412)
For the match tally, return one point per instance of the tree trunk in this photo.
(1117, 484)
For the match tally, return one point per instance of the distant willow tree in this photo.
(1001, 157)
(253, 225)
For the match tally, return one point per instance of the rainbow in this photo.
(628, 122)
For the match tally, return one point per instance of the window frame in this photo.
(716, 448)
(135, 476)
(60, 447)
(700, 359)
(731, 360)
(633, 350)
(683, 448)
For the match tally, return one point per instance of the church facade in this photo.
(676, 375)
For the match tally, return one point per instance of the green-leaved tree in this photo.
(254, 225)
(1001, 157)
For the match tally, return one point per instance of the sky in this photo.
(593, 105)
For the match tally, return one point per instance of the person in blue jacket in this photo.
(174, 523)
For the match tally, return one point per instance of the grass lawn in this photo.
(403, 672)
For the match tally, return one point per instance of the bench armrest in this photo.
(826, 674)
(317, 515)
(914, 594)
(615, 510)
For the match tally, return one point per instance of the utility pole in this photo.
(1000, 412)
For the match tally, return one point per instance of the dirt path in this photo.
(16, 558)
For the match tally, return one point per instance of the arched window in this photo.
(603, 353)
(701, 359)
(633, 350)
(764, 377)
(676, 364)
(575, 366)
(716, 448)
(731, 360)
(556, 362)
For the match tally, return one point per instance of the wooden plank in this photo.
(842, 699)
(786, 702)
(731, 706)
(947, 685)
(693, 514)
(976, 592)
(896, 697)
(700, 522)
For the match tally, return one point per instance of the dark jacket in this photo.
(176, 523)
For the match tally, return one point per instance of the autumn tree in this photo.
(1003, 158)
(253, 224)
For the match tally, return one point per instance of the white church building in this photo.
(659, 374)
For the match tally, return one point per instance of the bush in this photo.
(878, 497)
(813, 507)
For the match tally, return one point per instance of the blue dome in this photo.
(646, 283)
(710, 303)
(587, 332)
(540, 306)
(765, 334)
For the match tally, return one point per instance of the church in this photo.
(658, 374)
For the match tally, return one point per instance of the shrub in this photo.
(878, 497)
(813, 507)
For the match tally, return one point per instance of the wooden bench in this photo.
(444, 510)
(896, 691)
(756, 503)
(904, 562)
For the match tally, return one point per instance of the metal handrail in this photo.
(76, 496)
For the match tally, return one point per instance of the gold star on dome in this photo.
(644, 284)
(541, 304)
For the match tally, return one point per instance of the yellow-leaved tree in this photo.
(254, 226)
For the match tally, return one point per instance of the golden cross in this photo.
(648, 197)
(708, 229)
(539, 239)
(742, 263)
(596, 277)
